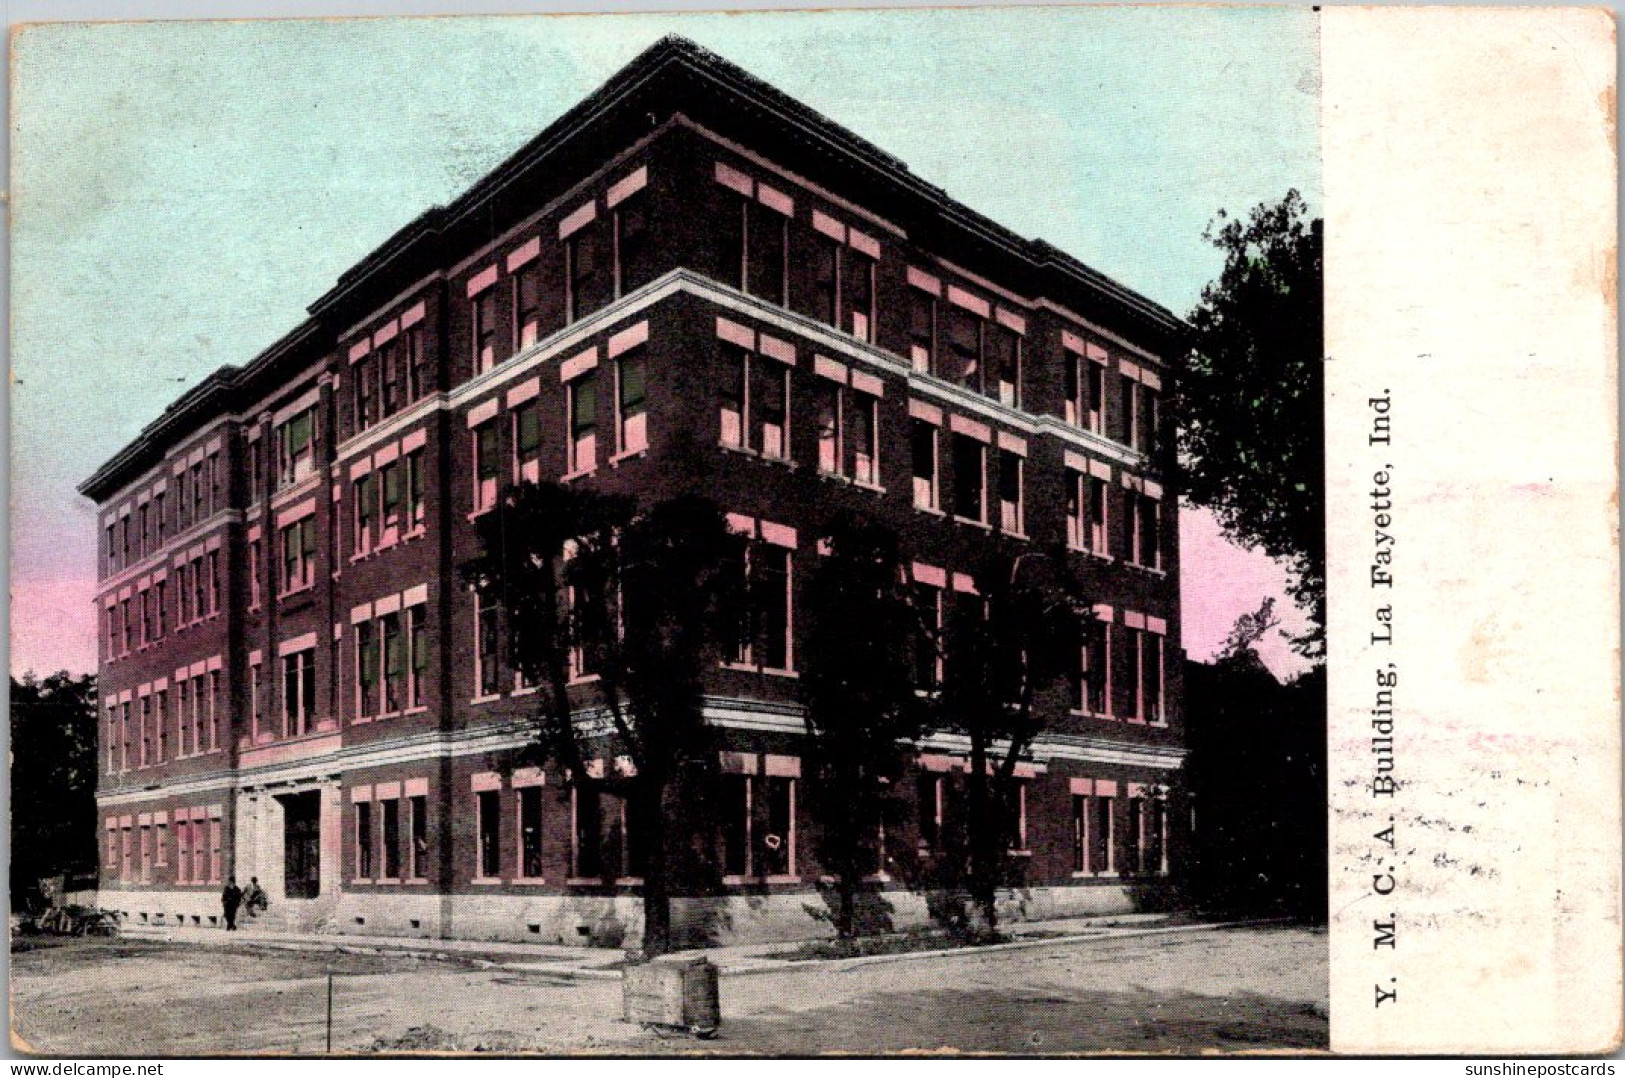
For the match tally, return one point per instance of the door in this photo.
(301, 829)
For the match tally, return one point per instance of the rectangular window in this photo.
(199, 506)
(586, 850)
(417, 363)
(214, 582)
(927, 653)
(200, 586)
(530, 832)
(214, 710)
(1011, 515)
(1080, 834)
(298, 557)
(161, 713)
(363, 840)
(1128, 422)
(485, 466)
(1077, 523)
(768, 236)
(735, 791)
(254, 701)
(824, 260)
(1146, 421)
(298, 692)
(146, 731)
(633, 267)
(1150, 552)
(922, 331)
(586, 272)
(366, 407)
(929, 805)
(1151, 675)
(389, 478)
(582, 407)
(770, 399)
(419, 647)
(527, 443)
(970, 479)
(394, 663)
(112, 549)
(923, 446)
(863, 439)
(1095, 687)
(1097, 398)
(731, 396)
(527, 303)
(485, 330)
(858, 284)
(1099, 518)
(366, 507)
(1004, 365)
(778, 836)
(417, 853)
(829, 427)
(414, 489)
(1133, 860)
(964, 349)
(631, 407)
(1072, 402)
(770, 580)
(390, 812)
(488, 629)
(366, 657)
(296, 448)
(490, 829)
(390, 378)
(254, 573)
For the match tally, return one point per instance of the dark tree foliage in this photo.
(53, 780)
(1256, 774)
(644, 598)
(861, 704)
(1251, 409)
(1002, 651)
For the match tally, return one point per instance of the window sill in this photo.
(529, 881)
(1019, 853)
(476, 514)
(630, 454)
(1107, 875)
(873, 488)
(583, 679)
(746, 881)
(284, 596)
(416, 881)
(933, 510)
(957, 519)
(1146, 569)
(523, 690)
(485, 699)
(570, 477)
(1103, 716)
(1023, 536)
(486, 881)
(751, 668)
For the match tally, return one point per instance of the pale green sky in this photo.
(183, 190)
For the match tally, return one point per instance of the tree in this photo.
(860, 701)
(1251, 409)
(643, 599)
(53, 778)
(1002, 650)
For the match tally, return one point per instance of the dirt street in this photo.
(1186, 992)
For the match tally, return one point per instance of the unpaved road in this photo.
(1187, 992)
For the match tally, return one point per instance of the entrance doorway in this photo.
(302, 844)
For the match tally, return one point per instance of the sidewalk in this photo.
(600, 963)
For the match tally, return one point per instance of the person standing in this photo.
(230, 899)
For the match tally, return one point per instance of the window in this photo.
(185, 721)
(417, 363)
(767, 237)
(1145, 652)
(214, 581)
(418, 644)
(161, 714)
(527, 443)
(1077, 520)
(366, 408)
(1004, 365)
(298, 555)
(200, 586)
(863, 439)
(1148, 521)
(1092, 832)
(633, 267)
(929, 804)
(160, 521)
(765, 640)
(1093, 688)
(527, 304)
(585, 835)
(922, 330)
(731, 396)
(126, 626)
(417, 853)
(366, 657)
(160, 600)
(394, 663)
(390, 813)
(298, 693)
(489, 808)
(1097, 398)
(770, 392)
(389, 478)
(485, 330)
(530, 832)
(927, 651)
(923, 449)
(141, 534)
(296, 456)
(970, 479)
(390, 378)
(254, 700)
(582, 407)
(146, 732)
(365, 507)
(112, 549)
(488, 631)
(586, 274)
(829, 427)
(485, 466)
(1099, 518)
(631, 407)
(1133, 860)
(824, 257)
(858, 282)
(1015, 824)
(1144, 427)
(1011, 515)
(964, 349)
(199, 507)
(256, 465)
(214, 711)
(363, 840)
(253, 573)
(414, 489)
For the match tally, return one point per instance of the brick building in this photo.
(689, 281)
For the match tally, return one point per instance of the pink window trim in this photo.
(386, 333)
(1076, 461)
(961, 298)
(360, 348)
(628, 338)
(482, 280)
(1012, 444)
(829, 226)
(1010, 320)
(578, 219)
(731, 177)
(577, 365)
(740, 524)
(524, 254)
(413, 316)
(734, 333)
(627, 187)
(291, 515)
(868, 383)
(482, 413)
(773, 348)
(777, 201)
(864, 244)
(930, 413)
(970, 428)
(929, 574)
(965, 583)
(828, 368)
(781, 535)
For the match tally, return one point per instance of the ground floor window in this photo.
(490, 831)
(530, 832)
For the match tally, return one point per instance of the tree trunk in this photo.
(983, 833)
(656, 885)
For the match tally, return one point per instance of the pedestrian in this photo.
(230, 899)
(255, 900)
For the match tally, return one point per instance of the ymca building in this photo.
(688, 283)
